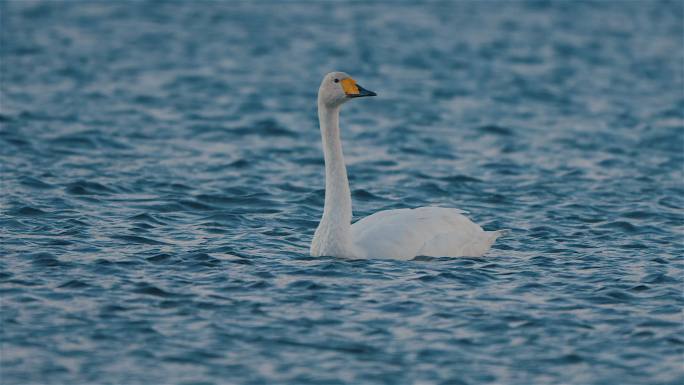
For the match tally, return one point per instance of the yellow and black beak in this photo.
(353, 90)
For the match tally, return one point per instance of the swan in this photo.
(391, 234)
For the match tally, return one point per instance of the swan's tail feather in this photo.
(500, 233)
(494, 235)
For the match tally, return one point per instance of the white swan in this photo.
(390, 234)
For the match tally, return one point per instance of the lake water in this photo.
(162, 177)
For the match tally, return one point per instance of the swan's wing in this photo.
(426, 231)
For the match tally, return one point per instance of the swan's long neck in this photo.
(333, 236)
(338, 205)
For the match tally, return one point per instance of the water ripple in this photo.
(162, 183)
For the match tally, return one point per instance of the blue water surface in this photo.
(162, 177)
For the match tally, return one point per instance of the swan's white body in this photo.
(390, 234)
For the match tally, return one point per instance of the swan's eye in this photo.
(337, 80)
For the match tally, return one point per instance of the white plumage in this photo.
(395, 234)
(426, 231)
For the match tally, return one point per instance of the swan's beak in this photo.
(362, 92)
(353, 90)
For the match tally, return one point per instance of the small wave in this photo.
(87, 188)
(496, 130)
(28, 211)
(35, 183)
(145, 288)
(138, 239)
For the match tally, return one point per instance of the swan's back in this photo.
(425, 231)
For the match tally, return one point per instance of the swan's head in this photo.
(338, 87)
